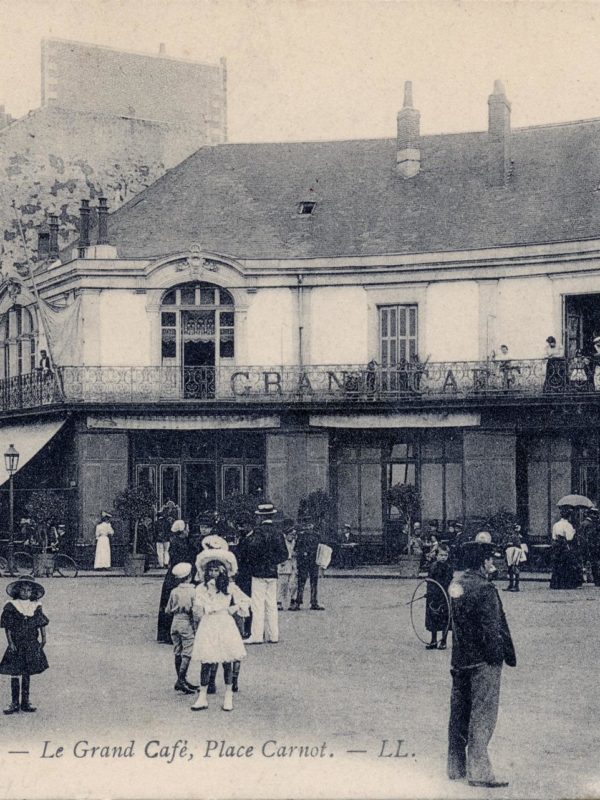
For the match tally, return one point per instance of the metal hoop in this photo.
(422, 587)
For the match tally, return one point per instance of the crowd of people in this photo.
(217, 597)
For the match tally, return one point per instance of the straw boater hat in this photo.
(484, 537)
(225, 557)
(214, 542)
(181, 570)
(265, 510)
(37, 590)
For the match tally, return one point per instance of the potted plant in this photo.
(406, 499)
(46, 510)
(317, 508)
(132, 505)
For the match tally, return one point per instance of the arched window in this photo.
(17, 342)
(197, 334)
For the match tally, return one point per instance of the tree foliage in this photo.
(133, 504)
(317, 508)
(45, 508)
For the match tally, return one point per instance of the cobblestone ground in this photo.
(351, 678)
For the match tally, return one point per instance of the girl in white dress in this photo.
(217, 636)
(104, 530)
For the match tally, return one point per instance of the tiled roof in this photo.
(242, 199)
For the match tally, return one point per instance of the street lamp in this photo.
(11, 462)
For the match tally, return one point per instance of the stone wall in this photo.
(53, 157)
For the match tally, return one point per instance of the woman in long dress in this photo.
(104, 530)
(566, 573)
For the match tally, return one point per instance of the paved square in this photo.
(351, 678)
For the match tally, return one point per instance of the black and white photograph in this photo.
(299, 400)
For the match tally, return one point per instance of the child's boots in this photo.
(14, 688)
(25, 704)
(202, 700)
(182, 685)
(228, 699)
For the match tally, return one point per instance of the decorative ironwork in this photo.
(198, 323)
(408, 383)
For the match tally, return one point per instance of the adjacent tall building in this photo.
(110, 124)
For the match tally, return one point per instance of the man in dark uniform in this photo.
(307, 544)
(593, 545)
(481, 643)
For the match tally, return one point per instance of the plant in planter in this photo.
(406, 499)
(317, 508)
(132, 505)
(46, 510)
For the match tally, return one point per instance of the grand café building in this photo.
(220, 335)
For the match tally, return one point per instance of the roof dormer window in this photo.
(306, 207)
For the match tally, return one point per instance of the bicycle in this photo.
(63, 565)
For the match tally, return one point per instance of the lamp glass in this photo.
(11, 459)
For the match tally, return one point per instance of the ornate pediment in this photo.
(195, 263)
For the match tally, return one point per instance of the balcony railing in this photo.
(294, 384)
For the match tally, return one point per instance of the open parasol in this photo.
(575, 500)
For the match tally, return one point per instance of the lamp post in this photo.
(11, 462)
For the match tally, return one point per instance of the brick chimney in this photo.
(53, 248)
(499, 136)
(102, 220)
(43, 245)
(84, 227)
(408, 152)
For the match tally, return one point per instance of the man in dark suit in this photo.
(481, 643)
(307, 544)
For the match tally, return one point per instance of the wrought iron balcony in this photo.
(415, 381)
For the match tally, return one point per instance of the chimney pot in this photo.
(162, 49)
(408, 140)
(499, 135)
(53, 252)
(84, 227)
(102, 220)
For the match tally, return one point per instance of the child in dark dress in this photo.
(436, 603)
(23, 619)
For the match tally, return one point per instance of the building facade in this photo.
(343, 316)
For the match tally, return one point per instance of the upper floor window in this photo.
(197, 325)
(397, 334)
(17, 342)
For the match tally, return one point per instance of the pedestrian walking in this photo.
(287, 571)
(104, 530)
(515, 556)
(24, 623)
(566, 570)
(218, 640)
(166, 517)
(481, 643)
(243, 578)
(306, 551)
(266, 549)
(436, 603)
(183, 628)
(180, 552)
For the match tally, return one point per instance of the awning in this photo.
(395, 420)
(194, 422)
(28, 439)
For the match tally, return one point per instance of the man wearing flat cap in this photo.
(481, 643)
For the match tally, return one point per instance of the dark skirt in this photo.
(566, 567)
(28, 657)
